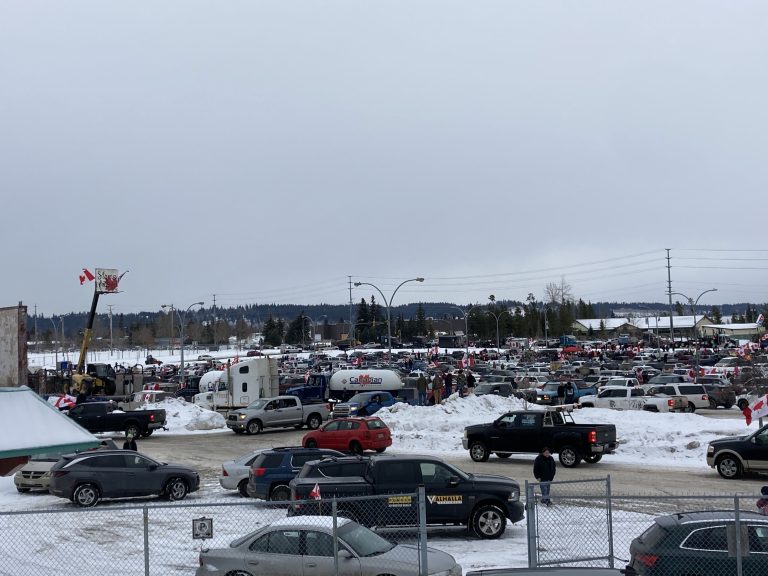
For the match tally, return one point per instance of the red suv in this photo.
(353, 434)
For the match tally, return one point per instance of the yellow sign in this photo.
(445, 499)
(399, 501)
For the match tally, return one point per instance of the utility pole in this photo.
(37, 342)
(214, 320)
(669, 292)
(111, 348)
(351, 332)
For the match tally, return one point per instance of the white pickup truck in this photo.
(281, 411)
(632, 398)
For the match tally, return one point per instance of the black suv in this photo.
(87, 477)
(701, 543)
(273, 469)
(738, 454)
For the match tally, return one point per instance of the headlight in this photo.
(514, 496)
(710, 449)
(465, 433)
(241, 416)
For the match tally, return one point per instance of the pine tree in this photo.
(421, 320)
(273, 332)
(717, 316)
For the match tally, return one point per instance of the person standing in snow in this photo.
(471, 381)
(544, 472)
(421, 386)
(461, 383)
(437, 387)
(448, 378)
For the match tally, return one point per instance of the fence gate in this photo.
(575, 529)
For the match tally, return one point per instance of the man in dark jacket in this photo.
(421, 386)
(544, 472)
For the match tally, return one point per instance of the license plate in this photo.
(380, 436)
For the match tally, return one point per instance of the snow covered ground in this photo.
(670, 440)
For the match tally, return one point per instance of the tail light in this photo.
(704, 397)
(259, 471)
(59, 473)
(152, 417)
(648, 560)
(592, 436)
(224, 471)
(671, 403)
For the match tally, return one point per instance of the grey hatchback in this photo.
(87, 477)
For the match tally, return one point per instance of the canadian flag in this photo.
(86, 275)
(756, 410)
(315, 494)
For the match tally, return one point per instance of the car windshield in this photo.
(258, 405)
(363, 541)
(359, 398)
(483, 388)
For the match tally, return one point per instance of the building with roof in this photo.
(639, 327)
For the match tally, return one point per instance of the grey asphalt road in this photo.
(206, 452)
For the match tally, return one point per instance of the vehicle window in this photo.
(375, 424)
(243, 369)
(288, 403)
(111, 461)
(636, 392)
(351, 425)
(653, 536)
(528, 421)
(137, 461)
(432, 472)
(260, 544)
(268, 461)
(712, 538)
(244, 387)
(761, 439)
(398, 473)
(298, 460)
(279, 542)
(318, 544)
(351, 469)
(691, 390)
(758, 538)
(363, 541)
(617, 394)
(509, 419)
(668, 390)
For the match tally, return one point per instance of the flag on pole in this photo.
(86, 275)
(315, 494)
(756, 410)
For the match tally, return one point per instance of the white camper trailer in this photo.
(239, 385)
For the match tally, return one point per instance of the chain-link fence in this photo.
(158, 539)
(587, 525)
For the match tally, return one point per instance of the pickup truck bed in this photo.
(102, 417)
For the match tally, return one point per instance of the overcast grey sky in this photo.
(265, 151)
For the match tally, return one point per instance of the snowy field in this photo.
(670, 440)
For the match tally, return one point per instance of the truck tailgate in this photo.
(606, 433)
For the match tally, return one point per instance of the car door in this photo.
(291, 413)
(395, 477)
(329, 435)
(318, 558)
(277, 553)
(447, 498)
(755, 450)
(109, 473)
(142, 475)
(705, 552)
(502, 436)
(527, 433)
(270, 415)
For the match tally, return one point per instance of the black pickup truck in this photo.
(480, 502)
(104, 417)
(531, 430)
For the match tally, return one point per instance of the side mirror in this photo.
(453, 481)
(345, 554)
(152, 467)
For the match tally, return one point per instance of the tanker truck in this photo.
(343, 384)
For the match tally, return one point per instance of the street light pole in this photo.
(497, 316)
(182, 321)
(389, 306)
(693, 304)
(170, 343)
(466, 326)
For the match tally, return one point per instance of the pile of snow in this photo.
(184, 416)
(669, 439)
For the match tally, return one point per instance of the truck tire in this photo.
(488, 522)
(728, 467)
(176, 489)
(356, 448)
(242, 487)
(254, 427)
(713, 404)
(314, 421)
(132, 429)
(503, 454)
(146, 433)
(478, 451)
(280, 493)
(691, 408)
(311, 443)
(593, 458)
(86, 495)
(569, 457)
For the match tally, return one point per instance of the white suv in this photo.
(695, 393)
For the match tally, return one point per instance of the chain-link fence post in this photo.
(146, 541)
(609, 513)
(334, 510)
(530, 516)
(423, 568)
(737, 520)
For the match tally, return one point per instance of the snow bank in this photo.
(184, 416)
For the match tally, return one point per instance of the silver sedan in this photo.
(304, 545)
(234, 473)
